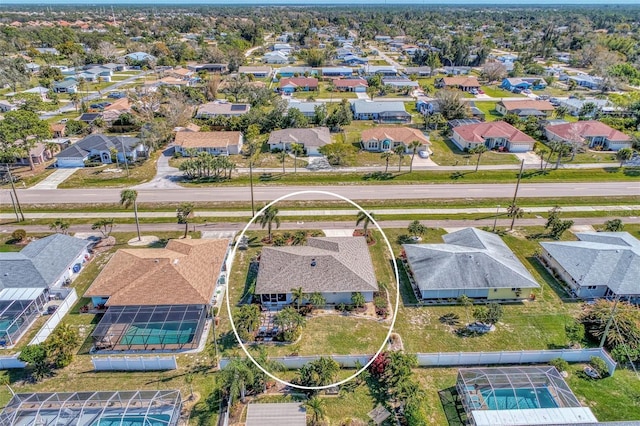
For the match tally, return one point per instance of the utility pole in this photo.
(15, 194)
(495, 219)
(15, 210)
(126, 161)
(515, 194)
(253, 209)
(608, 326)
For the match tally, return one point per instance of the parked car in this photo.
(64, 120)
(423, 154)
(480, 92)
(474, 91)
(116, 95)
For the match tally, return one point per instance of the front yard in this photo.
(445, 153)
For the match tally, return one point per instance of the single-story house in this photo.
(39, 154)
(65, 86)
(158, 298)
(112, 112)
(58, 129)
(221, 108)
(98, 147)
(523, 83)
(494, 135)
(400, 83)
(466, 84)
(574, 106)
(6, 106)
(594, 133)
(588, 81)
(275, 58)
(182, 73)
(30, 276)
(140, 57)
(380, 139)
(336, 71)
(276, 414)
(33, 68)
(419, 71)
(257, 72)
(310, 139)
(336, 267)
(300, 84)
(386, 70)
(215, 68)
(216, 143)
(426, 105)
(354, 60)
(294, 71)
(456, 70)
(599, 265)
(282, 47)
(512, 107)
(382, 38)
(48, 50)
(308, 109)
(380, 111)
(351, 85)
(471, 262)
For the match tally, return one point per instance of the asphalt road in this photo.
(354, 192)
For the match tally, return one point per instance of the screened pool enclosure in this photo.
(124, 408)
(19, 308)
(164, 328)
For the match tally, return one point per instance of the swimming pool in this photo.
(168, 333)
(152, 420)
(521, 398)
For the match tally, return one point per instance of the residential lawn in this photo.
(593, 157)
(71, 115)
(489, 109)
(265, 160)
(98, 177)
(496, 92)
(27, 177)
(446, 153)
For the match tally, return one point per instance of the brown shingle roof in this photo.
(586, 129)
(207, 139)
(326, 264)
(350, 82)
(183, 273)
(58, 127)
(539, 105)
(460, 81)
(299, 82)
(405, 135)
(495, 129)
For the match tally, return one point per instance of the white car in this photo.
(423, 154)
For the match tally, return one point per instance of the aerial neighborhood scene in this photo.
(299, 213)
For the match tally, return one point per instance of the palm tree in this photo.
(248, 318)
(416, 228)
(365, 219)
(268, 217)
(467, 302)
(282, 156)
(479, 150)
(413, 146)
(561, 111)
(236, 375)
(514, 212)
(297, 296)
(296, 149)
(60, 226)
(386, 156)
(52, 147)
(184, 213)
(399, 151)
(316, 407)
(624, 155)
(129, 197)
(317, 299)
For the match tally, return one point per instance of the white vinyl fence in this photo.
(55, 318)
(443, 359)
(134, 363)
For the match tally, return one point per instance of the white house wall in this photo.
(69, 162)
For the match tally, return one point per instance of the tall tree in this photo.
(128, 198)
(399, 151)
(514, 212)
(365, 219)
(451, 104)
(297, 150)
(23, 130)
(413, 146)
(236, 376)
(623, 155)
(317, 408)
(184, 214)
(297, 296)
(386, 156)
(478, 150)
(268, 217)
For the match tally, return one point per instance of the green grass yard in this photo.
(446, 153)
(98, 177)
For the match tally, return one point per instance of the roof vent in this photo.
(156, 260)
(175, 261)
(313, 262)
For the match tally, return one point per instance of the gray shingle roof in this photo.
(377, 107)
(336, 264)
(99, 142)
(277, 414)
(317, 136)
(601, 258)
(41, 262)
(469, 259)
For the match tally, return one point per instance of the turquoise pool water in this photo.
(522, 398)
(156, 420)
(159, 333)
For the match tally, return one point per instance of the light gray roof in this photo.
(600, 258)
(469, 259)
(295, 70)
(317, 136)
(40, 263)
(377, 107)
(277, 414)
(336, 264)
(99, 142)
(305, 107)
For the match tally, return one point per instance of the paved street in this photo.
(354, 192)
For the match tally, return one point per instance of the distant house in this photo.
(294, 71)
(382, 38)
(471, 262)
(574, 106)
(526, 107)
(257, 72)
(298, 84)
(214, 68)
(400, 83)
(216, 143)
(595, 134)
(385, 70)
(588, 81)
(419, 71)
(456, 70)
(39, 154)
(466, 84)
(310, 139)
(354, 60)
(308, 109)
(140, 57)
(30, 276)
(98, 148)
(275, 58)
(276, 414)
(336, 267)
(380, 139)
(351, 85)
(65, 86)
(219, 108)
(48, 50)
(336, 71)
(493, 135)
(523, 83)
(182, 73)
(380, 111)
(599, 265)
(282, 47)
(6, 106)
(427, 106)
(89, 117)
(33, 68)
(58, 129)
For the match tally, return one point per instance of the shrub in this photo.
(18, 235)
(560, 364)
(380, 302)
(599, 365)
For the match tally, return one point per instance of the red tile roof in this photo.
(586, 129)
(496, 129)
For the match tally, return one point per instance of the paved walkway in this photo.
(54, 179)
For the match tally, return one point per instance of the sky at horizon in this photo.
(323, 3)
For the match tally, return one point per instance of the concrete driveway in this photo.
(529, 157)
(54, 179)
(166, 176)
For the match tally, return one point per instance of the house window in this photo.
(591, 287)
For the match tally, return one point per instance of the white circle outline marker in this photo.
(395, 311)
